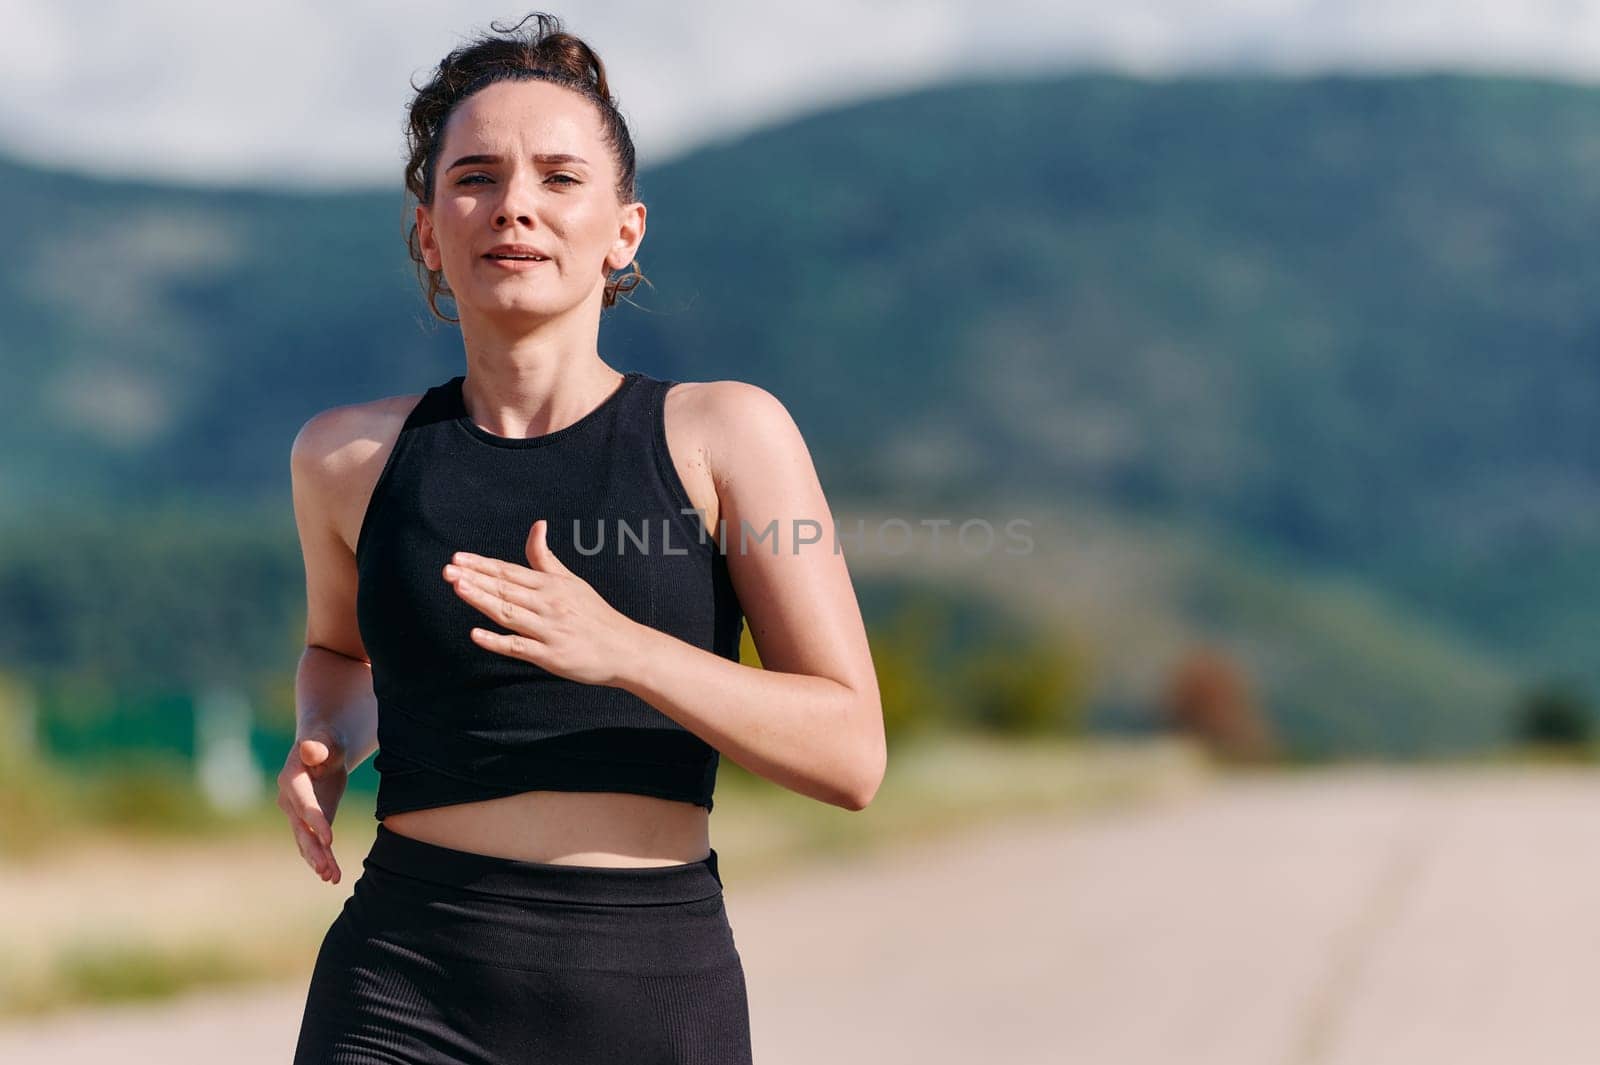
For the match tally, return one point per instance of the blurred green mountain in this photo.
(1341, 325)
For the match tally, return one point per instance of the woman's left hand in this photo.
(557, 620)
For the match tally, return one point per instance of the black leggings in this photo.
(447, 956)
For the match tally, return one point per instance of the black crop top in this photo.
(458, 722)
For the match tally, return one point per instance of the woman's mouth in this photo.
(517, 262)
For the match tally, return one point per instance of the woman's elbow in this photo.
(874, 763)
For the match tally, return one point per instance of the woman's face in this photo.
(525, 162)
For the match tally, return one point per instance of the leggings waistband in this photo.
(493, 875)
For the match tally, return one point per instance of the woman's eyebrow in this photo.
(552, 158)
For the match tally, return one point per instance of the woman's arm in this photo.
(336, 712)
(332, 453)
(811, 719)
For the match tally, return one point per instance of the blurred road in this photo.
(1353, 917)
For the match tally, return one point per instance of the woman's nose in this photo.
(516, 202)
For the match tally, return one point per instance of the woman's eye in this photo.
(468, 180)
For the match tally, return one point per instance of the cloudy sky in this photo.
(314, 93)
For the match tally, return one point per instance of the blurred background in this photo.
(1275, 321)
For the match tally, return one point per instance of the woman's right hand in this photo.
(309, 789)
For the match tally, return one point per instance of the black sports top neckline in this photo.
(455, 394)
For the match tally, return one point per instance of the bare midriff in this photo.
(599, 828)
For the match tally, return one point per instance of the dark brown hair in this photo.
(542, 53)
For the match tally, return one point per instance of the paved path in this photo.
(1357, 917)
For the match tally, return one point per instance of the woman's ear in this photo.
(426, 241)
(630, 233)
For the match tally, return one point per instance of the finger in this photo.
(513, 606)
(314, 751)
(538, 550)
(464, 563)
(329, 870)
(321, 755)
(318, 857)
(324, 863)
(312, 848)
(303, 798)
(511, 645)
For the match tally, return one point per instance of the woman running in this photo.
(525, 589)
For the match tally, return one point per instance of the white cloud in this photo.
(305, 92)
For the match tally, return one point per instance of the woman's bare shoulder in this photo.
(339, 453)
(723, 392)
(715, 404)
(730, 417)
(335, 440)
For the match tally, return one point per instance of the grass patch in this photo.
(46, 807)
(103, 972)
(117, 972)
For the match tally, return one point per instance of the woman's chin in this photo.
(507, 301)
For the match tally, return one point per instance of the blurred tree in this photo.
(1555, 713)
(1209, 696)
(19, 721)
(1038, 686)
(906, 659)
